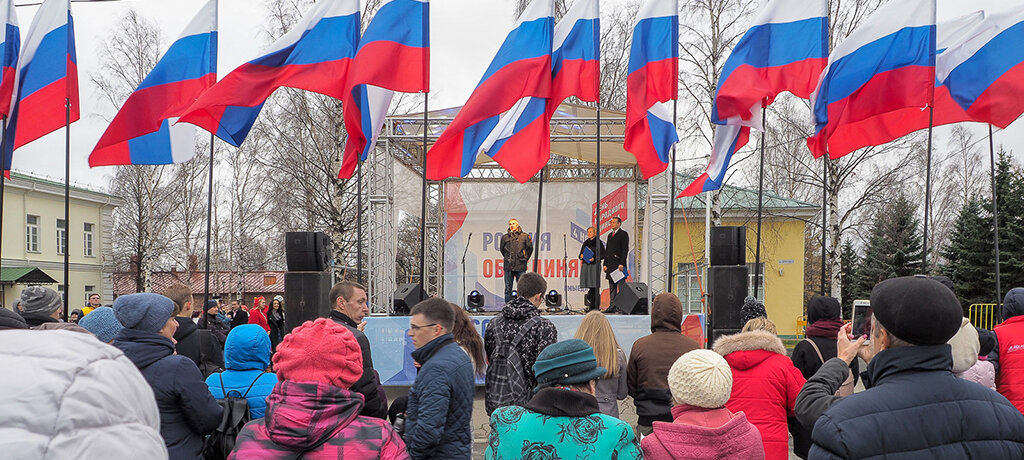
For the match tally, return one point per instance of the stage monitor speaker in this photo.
(306, 297)
(728, 245)
(727, 287)
(406, 297)
(632, 299)
(307, 251)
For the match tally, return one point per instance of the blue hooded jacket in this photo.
(246, 355)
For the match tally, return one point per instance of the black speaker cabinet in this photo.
(716, 333)
(307, 251)
(306, 297)
(728, 245)
(727, 287)
(632, 299)
(406, 297)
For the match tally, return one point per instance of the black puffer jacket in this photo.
(915, 408)
(516, 248)
(376, 402)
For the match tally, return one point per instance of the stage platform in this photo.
(392, 346)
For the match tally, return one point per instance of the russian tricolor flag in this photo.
(879, 81)
(143, 131)
(314, 56)
(393, 55)
(985, 73)
(785, 49)
(9, 50)
(510, 99)
(47, 77)
(950, 34)
(576, 60)
(652, 80)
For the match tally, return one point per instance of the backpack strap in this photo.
(250, 385)
(524, 329)
(816, 350)
(220, 375)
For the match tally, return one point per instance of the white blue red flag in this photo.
(576, 60)
(785, 49)
(393, 55)
(315, 55)
(143, 131)
(46, 79)
(879, 81)
(9, 50)
(985, 73)
(510, 99)
(653, 79)
(948, 35)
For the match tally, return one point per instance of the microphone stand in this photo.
(464, 251)
(565, 260)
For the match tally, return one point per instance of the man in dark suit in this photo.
(616, 249)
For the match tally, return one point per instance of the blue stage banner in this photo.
(392, 346)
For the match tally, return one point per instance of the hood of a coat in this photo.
(666, 314)
(247, 347)
(748, 349)
(518, 309)
(143, 348)
(1013, 303)
(304, 415)
(186, 327)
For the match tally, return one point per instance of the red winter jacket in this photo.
(256, 316)
(1010, 378)
(765, 385)
(317, 421)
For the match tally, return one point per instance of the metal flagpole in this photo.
(760, 201)
(3, 179)
(67, 198)
(927, 191)
(359, 221)
(995, 212)
(672, 206)
(536, 235)
(596, 302)
(824, 219)
(209, 224)
(423, 203)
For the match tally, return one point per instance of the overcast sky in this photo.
(465, 34)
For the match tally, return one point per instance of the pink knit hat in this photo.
(320, 351)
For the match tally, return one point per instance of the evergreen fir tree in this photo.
(894, 245)
(851, 288)
(969, 255)
(1010, 197)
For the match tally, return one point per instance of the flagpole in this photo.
(359, 221)
(423, 202)
(927, 190)
(209, 224)
(536, 235)
(995, 211)
(672, 204)
(3, 179)
(67, 199)
(760, 199)
(824, 218)
(596, 302)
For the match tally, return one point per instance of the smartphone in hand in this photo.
(861, 318)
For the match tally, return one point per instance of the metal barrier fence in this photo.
(984, 315)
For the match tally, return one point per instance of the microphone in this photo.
(469, 238)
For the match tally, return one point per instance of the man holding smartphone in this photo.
(913, 405)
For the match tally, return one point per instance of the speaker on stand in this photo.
(307, 283)
(727, 281)
(406, 296)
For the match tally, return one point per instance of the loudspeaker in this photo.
(306, 297)
(728, 245)
(406, 296)
(307, 251)
(631, 299)
(727, 287)
(716, 333)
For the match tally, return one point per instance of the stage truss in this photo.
(401, 143)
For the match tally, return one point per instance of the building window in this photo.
(62, 236)
(88, 240)
(89, 290)
(689, 287)
(751, 281)
(32, 233)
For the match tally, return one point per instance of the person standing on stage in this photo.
(615, 259)
(590, 269)
(516, 248)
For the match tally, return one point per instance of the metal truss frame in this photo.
(383, 243)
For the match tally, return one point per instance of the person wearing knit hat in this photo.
(912, 403)
(103, 323)
(751, 309)
(701, 383)
(40, 305)
(312, 412)
(563, 419)
(188, 411)
(11, 320)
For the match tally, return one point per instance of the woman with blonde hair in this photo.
(611, 387)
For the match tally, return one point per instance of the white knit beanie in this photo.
(700, 378)
(965, 346)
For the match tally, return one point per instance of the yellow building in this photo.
(781, 285)
(33, 249)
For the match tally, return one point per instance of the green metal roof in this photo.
(28, 178)
(738, 198)
(24, 275)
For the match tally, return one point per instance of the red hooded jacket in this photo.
(258, 315)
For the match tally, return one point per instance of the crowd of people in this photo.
(147, 378)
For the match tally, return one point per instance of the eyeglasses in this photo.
(413, 326)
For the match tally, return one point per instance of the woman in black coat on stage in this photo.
(590, 268)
